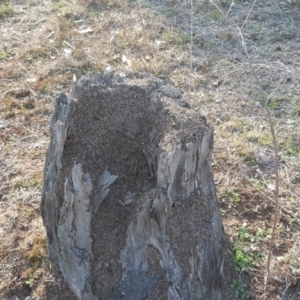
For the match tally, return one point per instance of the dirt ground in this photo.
(196, 46)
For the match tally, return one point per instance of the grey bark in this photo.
(172, 248)
(60, 125)
(74, 233)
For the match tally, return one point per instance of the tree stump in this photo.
(129, 201)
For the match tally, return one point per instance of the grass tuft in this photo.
(176, 37)
(6, 10)
(39, 251)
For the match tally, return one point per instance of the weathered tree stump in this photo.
(129, 201)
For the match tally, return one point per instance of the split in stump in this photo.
(129, 200)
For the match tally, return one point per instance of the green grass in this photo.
(57, 6)
(241, 258)
(27, 183)
(37, 53)
(247, 234)
(5, 11)
(289, 146)
(248, 158)
(278, 102)
(296, 111)
(170, 13)
(239, 289)
(3, 54)
(230, 197)
(176, 37)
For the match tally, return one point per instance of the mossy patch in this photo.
(296, 109)
(36, 256)
(38, 251)
(176, 37)
(10, 107)
(170, 13)
(36, 53)
(5, 11)
(290, 146)
(3, 54)
(278, 102)
(57, 6)
(248, 158)
(29, 104)
(27, 183)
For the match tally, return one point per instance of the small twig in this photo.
(39, 21)
(23, 68)
(220, 10)
(254, 2)
(16, 33)
(287, 286)
(34, 94)
(69, 44)
(142, 60)
(53, 48)
(22, 20)
(191, 44)
(275, 144)
(24, 126)
(232, 3)
(269, 198)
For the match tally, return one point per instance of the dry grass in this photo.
(6, 10)
(44, 44)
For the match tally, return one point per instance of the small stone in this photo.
(257, 104)
(128, 199)
(4, 198)
(4, 124)
(271, 187)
